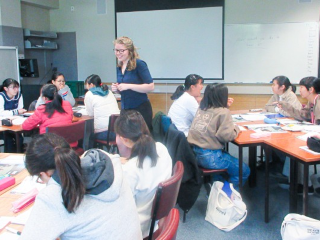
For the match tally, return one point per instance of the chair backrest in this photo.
(166, 196)
(112, 119)
(168, 226)
(72, 132)
(165, 123)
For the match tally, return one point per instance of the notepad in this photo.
(308, 150)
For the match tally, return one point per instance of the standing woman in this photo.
(133, 79)
(54, 111)
(185, 105)
(309, 89)
(211, 128)
(283, 91)
(100, 103)
(11, 103)
(145, 163)
(83, 199)
(64, 91)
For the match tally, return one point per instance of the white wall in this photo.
(271, 11)
(35, 18)
(49, 4)
(10, 13)
(95, 34)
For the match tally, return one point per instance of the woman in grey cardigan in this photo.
(64, 91)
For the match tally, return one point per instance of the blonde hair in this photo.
(133, 54)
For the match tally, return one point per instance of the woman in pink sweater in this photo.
(54, 111)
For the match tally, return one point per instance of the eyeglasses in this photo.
(119, 50)
(16, 87)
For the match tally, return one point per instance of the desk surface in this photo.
(18, 128)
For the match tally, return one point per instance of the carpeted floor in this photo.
(254, 226)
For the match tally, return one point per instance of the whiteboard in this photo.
(256, 53)
(9, 63)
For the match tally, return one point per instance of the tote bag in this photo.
(296, 226)
(223, 212)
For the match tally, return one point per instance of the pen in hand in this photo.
(12, 230)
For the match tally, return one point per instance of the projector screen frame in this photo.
(145, 5)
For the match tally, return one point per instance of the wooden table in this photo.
(6, 197)
(290, 146)
(17, 129)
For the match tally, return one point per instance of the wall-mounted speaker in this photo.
(102, 6)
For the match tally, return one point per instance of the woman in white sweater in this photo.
(84, 199)
(100, 103)
(145, 163)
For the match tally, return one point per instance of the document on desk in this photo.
(253, 117)
(22, 218)
(27, 185)
(8, 236)
(273, 128)
(308, 150)
(11, 166)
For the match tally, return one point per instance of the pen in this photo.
(271, 105)
(13, 230)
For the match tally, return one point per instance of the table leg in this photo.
(18, 143)
(252, 165)
(266, 198)
(240, 168)
(305, 188)
(293, 186)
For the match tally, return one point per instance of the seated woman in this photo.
(55, 110)
(283, 91)
(211, 128)
(145, 163)
(309, 89)
(97, 205)
(11, 103)
(100, 103)
(64, 91)
(185, 105)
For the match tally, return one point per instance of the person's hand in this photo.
(123, 87)
(277, 104)
(230, 101)
(21, 111)
(114, 87)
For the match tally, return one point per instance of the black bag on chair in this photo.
(313, 144)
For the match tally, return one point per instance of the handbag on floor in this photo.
(296, 226)
(223, 211)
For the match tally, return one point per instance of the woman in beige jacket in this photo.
(285, 92)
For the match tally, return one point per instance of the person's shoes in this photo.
(278, 175)
(260, 165)
(300, 189)
(284, 186)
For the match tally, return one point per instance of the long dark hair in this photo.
(50, 91)
(283, 80)
(51, 152)
(131, 125)
(215, 96)
(7, 82)
(96, 81)
(191, 79)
